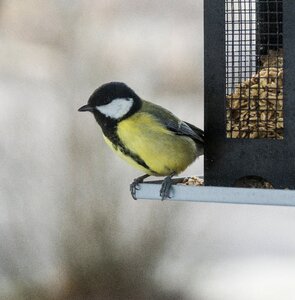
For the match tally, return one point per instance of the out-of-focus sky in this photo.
(65, 207)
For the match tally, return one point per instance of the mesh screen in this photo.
(254, 69)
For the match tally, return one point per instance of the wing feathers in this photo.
(171, 122)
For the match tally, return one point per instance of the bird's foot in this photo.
(133, 188)
(166, 187)
(134, 185)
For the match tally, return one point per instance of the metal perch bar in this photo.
(151, 191)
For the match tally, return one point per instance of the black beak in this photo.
(86, 108)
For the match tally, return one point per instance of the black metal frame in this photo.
(227, 160)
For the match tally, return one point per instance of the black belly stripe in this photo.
(118, 145)
(134, 156)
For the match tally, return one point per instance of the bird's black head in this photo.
(112, 102)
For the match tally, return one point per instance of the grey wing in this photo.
(174, 124)
(184, 128)
(199, 132)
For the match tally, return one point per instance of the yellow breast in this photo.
(161, 150)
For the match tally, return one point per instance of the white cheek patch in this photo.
(117, 108)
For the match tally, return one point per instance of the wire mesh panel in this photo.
(254, 69)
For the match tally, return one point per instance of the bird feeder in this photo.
(249, 53)
(250, 92)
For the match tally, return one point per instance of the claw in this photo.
(166, 187)
(134, 186)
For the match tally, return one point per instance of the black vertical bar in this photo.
(289, 75)
(214, 79)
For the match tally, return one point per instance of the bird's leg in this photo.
(134, 185)
(166, 186)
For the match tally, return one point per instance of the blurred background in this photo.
(69, 228)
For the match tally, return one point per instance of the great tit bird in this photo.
(146, 135)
